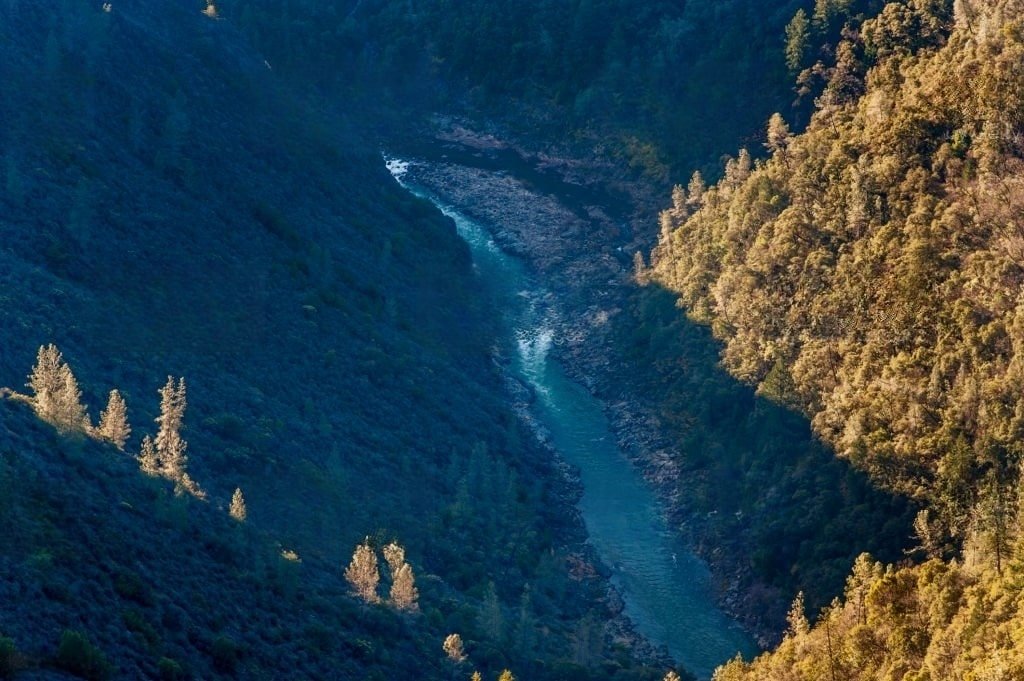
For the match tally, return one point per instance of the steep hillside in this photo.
(170, 207)
(869, 274)
(654, 86)
(639, 91)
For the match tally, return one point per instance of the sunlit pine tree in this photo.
(363, 574)
(454, 649)
(113, 425)
(404, 594)
(170, 446)
(149, 460)
(237, 509)
(56, 397)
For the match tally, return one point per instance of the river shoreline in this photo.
(584, 252)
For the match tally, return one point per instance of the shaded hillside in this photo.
(170, 207)
(763, 499)
(657, 86)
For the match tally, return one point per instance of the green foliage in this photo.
(8, 658)
(245, 235)
(644, 81)
(225, 654)
(933, 621)
(170, 670)
(860, 273)
(77, 656)
(797, 41)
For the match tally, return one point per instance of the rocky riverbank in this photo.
(584, 251)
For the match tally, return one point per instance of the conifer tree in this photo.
(778, 137)
(490, 618)
(363, 574)
(170, 446)
(864, 574)
(71, 416)
(56, 397)
(796, 40)
(695, 190)
(506, 676)
(453, 648)
(149, 460)
(404, 594)
(114, 426)
(672, 676)
(476, 677)
(394, 555)
(237, 510)
(45, 381)
(796, 618)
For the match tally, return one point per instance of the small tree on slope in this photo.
(114, 426)
(363, 574)
(170, 446)
(237, 510)
(56, 397)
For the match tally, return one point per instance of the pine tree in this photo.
(672, 676)
(363, 574)
(476, 677)
(695, 190)
(44, 381)
(404, 594)
(71, 416)
(778, 137)
(796, 40)
(506, 676)
(149, 460)
(796, 618)
(403, 585)
(170, 446)
(864, 574)
(394, 555)
(237, 509)
(114, 426)
(490, 618)
(453, 648)
(56, 397)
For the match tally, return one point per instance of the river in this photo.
(667, 590)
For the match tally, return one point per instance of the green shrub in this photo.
(77, 656)
(8, 655)
(170, 670)
(224, 654)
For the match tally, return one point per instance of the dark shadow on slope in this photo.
(756, 488)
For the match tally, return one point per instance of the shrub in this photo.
(224, 654)
(77, 656)
(8, 656)
(170, 670)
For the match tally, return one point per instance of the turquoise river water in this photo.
(667, 590)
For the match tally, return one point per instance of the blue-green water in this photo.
(667, 590)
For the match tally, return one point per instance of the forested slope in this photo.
(169, 206)
(657, 86)
(633, 92)
(868, 273)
